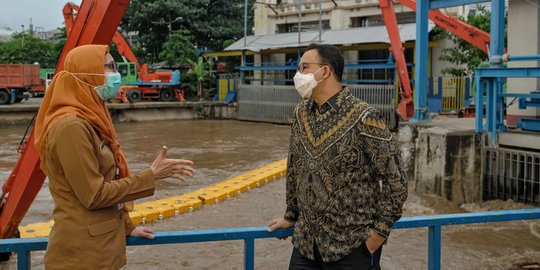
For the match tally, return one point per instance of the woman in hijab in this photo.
(89, 178)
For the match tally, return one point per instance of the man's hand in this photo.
(374, 241)
(279, 223)
(142, 231)
(164, 167)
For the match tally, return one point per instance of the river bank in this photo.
(22, 113)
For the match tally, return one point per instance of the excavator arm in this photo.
(405, 107)
(96, 23)
(71, 11)
(471, 34)
(476, 37)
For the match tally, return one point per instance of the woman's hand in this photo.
(142, 231)
(164, 167)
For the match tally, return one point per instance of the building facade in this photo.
(275, 17)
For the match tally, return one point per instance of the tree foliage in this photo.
(211, 22)
(26, 49)
(464, 55)
(179, 48)
(201, 70)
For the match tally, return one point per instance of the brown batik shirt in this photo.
(343, 176)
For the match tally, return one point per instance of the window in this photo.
(366, 21)
(306, 26)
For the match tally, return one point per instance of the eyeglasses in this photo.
(301, 67)
(111, 65)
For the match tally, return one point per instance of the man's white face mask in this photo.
(304, 83)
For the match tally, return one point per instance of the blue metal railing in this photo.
(23, 247)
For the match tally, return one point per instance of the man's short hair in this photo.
(331, 56)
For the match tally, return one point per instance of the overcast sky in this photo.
(44, 13)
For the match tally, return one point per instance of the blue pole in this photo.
(523, 57)
(249, 254)
(245, 40)
(434, 247)
(23, 260)
(495, 115)
(245, 22)
(493, 109)
(497, 29)
(420, 84)
(243, 65)
(489, 104)
(500, 105)
(479, 100)
(467, 91)
(496, 51)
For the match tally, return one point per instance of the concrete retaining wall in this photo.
(444, 158)
(21, 114)
(448, 164)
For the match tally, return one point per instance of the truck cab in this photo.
(128, 72)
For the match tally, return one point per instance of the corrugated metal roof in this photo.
(362, 35)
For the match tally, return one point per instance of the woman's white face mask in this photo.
(304, 83)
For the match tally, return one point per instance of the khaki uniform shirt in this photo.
(90, 227)
(343, 177)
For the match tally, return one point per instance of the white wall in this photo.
(523, 39)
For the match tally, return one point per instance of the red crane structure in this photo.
(471, 34)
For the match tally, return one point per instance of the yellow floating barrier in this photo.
(212, 195)
(135, 217)
(169, 207)
(40, 229)
(149, 213)
(191, 199)
(164, 209)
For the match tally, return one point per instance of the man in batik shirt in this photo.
(345, 184)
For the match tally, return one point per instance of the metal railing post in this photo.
(434, 247)
(23, 260)
(249, 253)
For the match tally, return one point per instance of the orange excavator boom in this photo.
(475, 36)
(71, 11)
(471, 34)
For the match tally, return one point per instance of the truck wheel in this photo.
(4, 97)
(167, 95)
(134, 96)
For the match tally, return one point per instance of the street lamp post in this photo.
(169, 23)
(22, 34)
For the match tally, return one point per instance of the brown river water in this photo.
(222, 149)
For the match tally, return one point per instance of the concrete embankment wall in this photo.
(444, 158)
(21, 114)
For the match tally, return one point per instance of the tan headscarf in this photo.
(73, 94)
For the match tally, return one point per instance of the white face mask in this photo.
(304, 83)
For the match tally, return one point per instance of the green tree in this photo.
(26, 49)
(464, 55)
(202, 70)
(210, 22)
(179, 48)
